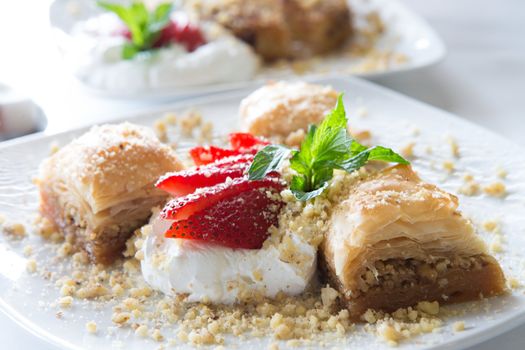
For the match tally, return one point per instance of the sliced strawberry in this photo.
(185, 34)
(245, 141)
(190, 36)
(184, 182)
(231, 160)
(236, 214)
(206, 155)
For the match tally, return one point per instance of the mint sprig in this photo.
(145, 26)
(324, 148)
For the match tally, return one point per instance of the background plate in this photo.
(406, 33)
(394, 121)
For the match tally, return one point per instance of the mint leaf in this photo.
(386, 155)
(330, 128)
(129, 51)
(302, 195)
(321, 149)
(301, 161)
(331, 140)
(356, 148)
(354, 162)
(145, 27)
(269, 159)
(375, 153)
(161, 16)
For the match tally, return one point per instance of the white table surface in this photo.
(482, 79)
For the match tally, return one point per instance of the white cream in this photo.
(95, 55)
(206, 271)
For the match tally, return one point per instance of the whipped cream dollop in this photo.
(209, 272)
(95, 54)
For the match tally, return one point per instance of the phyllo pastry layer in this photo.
(395, 241)
(100, 187)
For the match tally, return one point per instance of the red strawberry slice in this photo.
(184, 182)
(186, 34)
(236, 214)
(245, 141)
(228, 161)
(206, 155)
(190, 36)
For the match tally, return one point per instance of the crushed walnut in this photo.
(496, 189)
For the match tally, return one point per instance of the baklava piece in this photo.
(284, 110)
(282, 29)
(396, 241)
(99, 188)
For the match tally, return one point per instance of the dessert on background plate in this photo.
(240, 236)
(279, 29)
(248, 40)
(137, 49)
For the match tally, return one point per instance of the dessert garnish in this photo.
(216, 202)
(148, 30)
(325, 148)
(235, 214)
(184, 182)
(241, 143)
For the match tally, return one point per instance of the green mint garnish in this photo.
(145, 26)
(324, 148)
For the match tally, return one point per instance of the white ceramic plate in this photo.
(394, 120)
(406, 33)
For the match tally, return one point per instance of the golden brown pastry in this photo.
(286, 109)
(282, 28)
(395, 241)
(100, 187)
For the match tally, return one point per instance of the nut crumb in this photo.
(448, 166)
(513, 283)
(161, 130)
(491, 226)
(496, 245)
(121, 318)
(91, 327)
(142, 331)
(65, 302)
(15, 230)
(408, 150)
(31, 265)
(459, 326)
(54, 147)
(170, 118)
(328, 296)
(501, 173)
(28, 250)
(431, 308)
(496, 189)
(454, 148)
(157, 335)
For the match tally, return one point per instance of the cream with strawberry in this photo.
(137, 49)
(228, 234)
(208, 243)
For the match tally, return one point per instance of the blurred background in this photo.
(482, 79)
